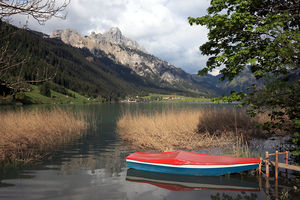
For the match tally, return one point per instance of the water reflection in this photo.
(187, 183)
(109, 163)
(94, 167)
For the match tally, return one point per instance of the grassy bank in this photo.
(190, 130)
(29, 135)
(34, 96)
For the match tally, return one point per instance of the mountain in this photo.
(74, 68)
(109, 65)
(239, 83)
(100, 41)
(96, 72)
(129, 53)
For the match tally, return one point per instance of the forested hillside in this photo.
(74, 68)
(33, 57)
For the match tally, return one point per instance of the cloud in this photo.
(189, 8)
(161, 26)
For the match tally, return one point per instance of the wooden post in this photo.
(267, 189)
(276, 190)
(276, 165)
(286, 162)
(267, 165)
(260, 183)
(259, 167)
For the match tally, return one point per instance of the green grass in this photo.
(179, 98)
(34, 96)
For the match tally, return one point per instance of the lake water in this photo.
(94, 167)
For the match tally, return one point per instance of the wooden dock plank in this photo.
(286, 166)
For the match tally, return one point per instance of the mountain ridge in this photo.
(94, 72)
(80, 70)
(116, 47)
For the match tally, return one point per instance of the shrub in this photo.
(45, 89)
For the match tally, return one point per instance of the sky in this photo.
(160, 26)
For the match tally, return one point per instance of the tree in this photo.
(45, 89)
(11, 61)
(40, 10)
(264, 35)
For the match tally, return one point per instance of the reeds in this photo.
(190, 130)
(28, 135)
(223, 120)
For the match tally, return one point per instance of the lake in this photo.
(94, 167)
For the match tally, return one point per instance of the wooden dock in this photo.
(286, 166)
(277, 164)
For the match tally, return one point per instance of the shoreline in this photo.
(27, 136)
(189, 130)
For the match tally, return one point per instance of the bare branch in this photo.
(12, 61)
(41, 10)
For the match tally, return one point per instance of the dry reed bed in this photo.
(188, 130)
(28, 135)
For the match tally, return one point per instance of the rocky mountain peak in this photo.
(95, 35)
(129, 53)
(114, 31)
(63, 33)
(69, 36)
(114, 35)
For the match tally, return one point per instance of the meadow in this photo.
(35, 97)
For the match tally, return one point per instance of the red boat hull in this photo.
(190, 163)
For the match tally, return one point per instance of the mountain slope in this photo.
(76, 69)
(130, 54)
(121, 67)
(94, 73)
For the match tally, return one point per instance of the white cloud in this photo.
(161, 26)
(141, 20)
(192, 8)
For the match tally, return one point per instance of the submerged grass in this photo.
(190, 130)
(29, 135)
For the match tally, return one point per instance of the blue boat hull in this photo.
(203, 171)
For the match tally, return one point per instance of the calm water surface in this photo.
(93, 167)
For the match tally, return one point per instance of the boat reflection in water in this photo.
(188, 183)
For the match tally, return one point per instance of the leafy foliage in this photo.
(261, 32)
(264, 35)
(296, 138)
(45, 89)
(21, 97)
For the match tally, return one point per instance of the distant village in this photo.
(149, 99)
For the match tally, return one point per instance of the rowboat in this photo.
(190, 163)
(174, 182)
